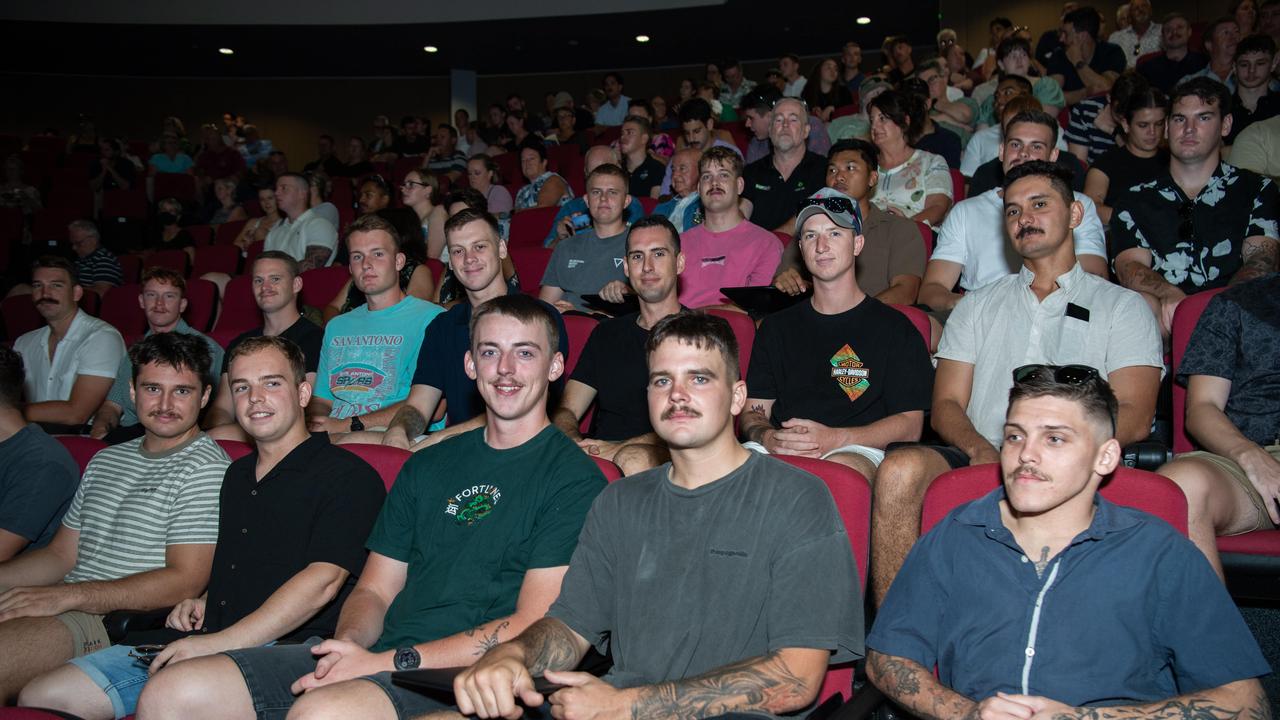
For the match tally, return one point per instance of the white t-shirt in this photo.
(973, 236)
(984, 147)
(91, 347)
(293, 237)
(795, 87)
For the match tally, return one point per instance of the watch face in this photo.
(407, 659)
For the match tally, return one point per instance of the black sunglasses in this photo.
(1063, 374)
(834, 204)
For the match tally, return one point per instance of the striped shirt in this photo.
(99, 266)
(132, 504)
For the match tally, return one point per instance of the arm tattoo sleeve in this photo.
(412, 421)
(910, 685)
(315, 256)
(763, 683)
(1259, 256)
(1138, 277)
(1214, 704)
(549, 645)
(755, 423)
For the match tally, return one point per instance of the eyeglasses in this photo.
(834, 204)
(1186, 220)
(1062, 374)
(410, 183)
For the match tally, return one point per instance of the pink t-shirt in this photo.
(746, 255)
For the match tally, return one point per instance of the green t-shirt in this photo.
(470, 521)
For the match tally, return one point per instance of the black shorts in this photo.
(954, 456)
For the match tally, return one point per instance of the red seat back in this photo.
(202, 300)
(1146, 491)
(235, 449)
(567, 161)
(252, 252)
(784, 238)
(744, 329)
(201, 234)
(131, 267)
(845, 110)
(957, 186)
(82, 448)
(648, 204)
(1184, 322)
(531, 262)
(530, 227)
(321, 285)
(509, 170)
(240, 312)
(120, 308)
(611, 472)
(228, 231)
(20, 316)
(926, 234)
(216, 258)
(852, 495)
(917, 318)
(387, 460)
(579, 328)
(175, 260)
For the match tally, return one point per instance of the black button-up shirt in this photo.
(318, 504)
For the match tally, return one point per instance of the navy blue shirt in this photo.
(1129, 612)
(443, 352)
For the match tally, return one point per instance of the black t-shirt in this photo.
(1164, 73)
(331, 166)
(773, 199)
(845, 370)
(942, 142)
(1106, 58)
(364, 167)
(123, 168)
(411, 146)
(1268, 107)
(646, 177)
(991, 174)
(304, 333)
(1124, 170)
(614, 363)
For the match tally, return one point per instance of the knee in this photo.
(902, 474)
(173, 693)
(40, 693)
(1191, 476)
(313, 706)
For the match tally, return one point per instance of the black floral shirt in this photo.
(1238, 338)
(1196, 244)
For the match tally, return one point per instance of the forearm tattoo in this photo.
(915, 688)
(764, 683)
(1188, 708)
(549, 645)
(488, 640)
(1260, 257)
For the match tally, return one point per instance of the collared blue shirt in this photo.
(1129, 612)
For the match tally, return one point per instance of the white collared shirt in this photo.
(90, 347)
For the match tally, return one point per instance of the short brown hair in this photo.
(167, 276)
(57, 262)
(722, 156)
(701, 330)
(286, 347)
(466, 216)
(609, 169)
(523, 308)
(290, 262)
(370, 223)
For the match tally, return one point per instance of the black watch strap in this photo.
(356, 425)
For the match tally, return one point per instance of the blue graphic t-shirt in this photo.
(368, 357)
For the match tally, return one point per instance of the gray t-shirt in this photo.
(678, 582)
(38, 478)
(584, 263)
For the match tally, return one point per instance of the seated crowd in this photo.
(887, 275)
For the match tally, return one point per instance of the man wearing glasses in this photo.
(1044, 599)
(1203, 225)
(1050, 311)
(775, 185)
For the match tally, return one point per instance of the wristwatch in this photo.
(1080, 64)
(407, 658)
(356, 425)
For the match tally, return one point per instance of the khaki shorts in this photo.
(88, 634)
(1235, 472)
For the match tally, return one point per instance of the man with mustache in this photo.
(839, 376)
(163, 300)
(1042, 599)
(1051, 311)
(972, 248)
(71, 362)
(721, 582)
(611, 371)
(140, 532)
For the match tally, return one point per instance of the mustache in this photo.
(47, 301)
(1027, 470)
(1029, 230)
(666, 414)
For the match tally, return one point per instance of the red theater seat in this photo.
(387, 460)
(744, 329)
(82, 448)
(530, 227)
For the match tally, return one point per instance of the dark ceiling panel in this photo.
(684, 36)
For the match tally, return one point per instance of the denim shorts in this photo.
(118, 675)
(270, 671)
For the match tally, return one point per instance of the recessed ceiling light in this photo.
(430, 49)
(226, 51)
(642, 38)
(864, 20)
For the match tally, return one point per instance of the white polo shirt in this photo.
(1004, 326)
(294, 237)
(973, 236)
(91, 347)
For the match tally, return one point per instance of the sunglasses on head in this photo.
(834, 204)
(1062, 374)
